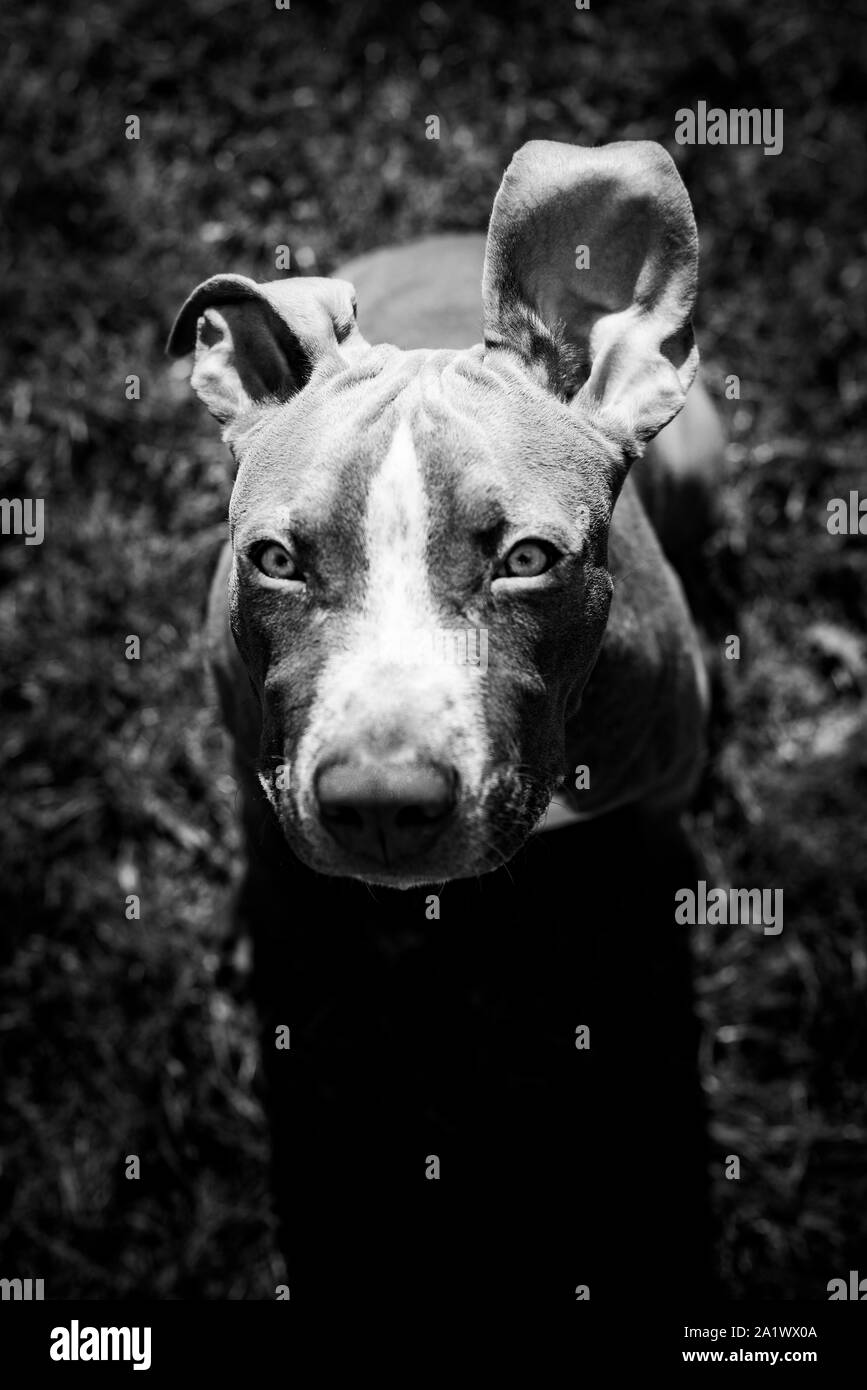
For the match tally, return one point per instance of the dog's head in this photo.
(420, 584)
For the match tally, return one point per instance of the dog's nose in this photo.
(390, 812)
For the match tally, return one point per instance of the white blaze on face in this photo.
(398, 600)
(383, 697)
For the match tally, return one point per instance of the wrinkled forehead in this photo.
(484, 441)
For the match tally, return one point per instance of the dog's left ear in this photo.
(261, 342)
(590, 276)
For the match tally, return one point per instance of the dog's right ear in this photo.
(262, 342)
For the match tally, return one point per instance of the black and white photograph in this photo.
(433, 666)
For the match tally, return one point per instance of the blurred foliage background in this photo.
(307, 127)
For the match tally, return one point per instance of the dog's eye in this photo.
(275, 561)
(527, 559)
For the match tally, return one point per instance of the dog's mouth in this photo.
(411, 828)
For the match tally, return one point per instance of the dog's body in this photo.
(385, 492)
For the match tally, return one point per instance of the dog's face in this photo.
(419, 588)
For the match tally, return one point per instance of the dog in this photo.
(468, 704)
